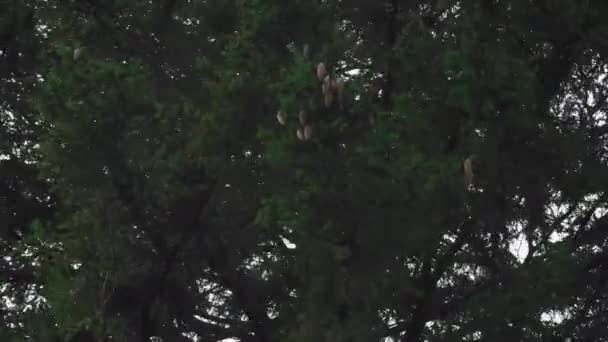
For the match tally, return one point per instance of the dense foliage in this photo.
(183, 170)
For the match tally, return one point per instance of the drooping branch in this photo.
(430, 276)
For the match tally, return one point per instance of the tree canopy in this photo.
(334, 170)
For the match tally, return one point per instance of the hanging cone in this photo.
(307, 132)
(77, 53)
(281, 117)
(321, 71)
(306, 51)
(326, 86)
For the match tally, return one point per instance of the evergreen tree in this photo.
(24, 198)
(320, 170)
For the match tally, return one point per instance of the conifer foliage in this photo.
(337, 170)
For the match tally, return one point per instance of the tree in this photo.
(24, 198)
(185, 209)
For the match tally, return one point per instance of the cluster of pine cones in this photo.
(332, 90)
